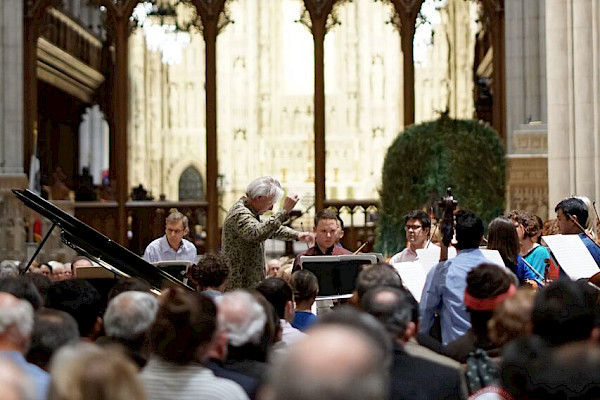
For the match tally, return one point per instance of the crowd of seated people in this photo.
(488, 331)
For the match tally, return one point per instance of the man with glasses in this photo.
(172, 246)
(417, 225)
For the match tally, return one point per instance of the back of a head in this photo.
(86, 371)
(334, 362)
(80, 299)
(52, 329)
(211, 271)
(129, 285)
(563, 313)
(278, 292)
(531, 225)
(575, 207)
(23, 288)
(15, 313)
(502, 236)
(305, 285)
(469, 230)
(376, 275)
(130, 315)
(184, 326)
(512, 318)
(242, 317)
(265, 186)
(391, 307)
(42, 283)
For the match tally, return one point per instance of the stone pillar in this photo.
(559, 44)
(12, 234)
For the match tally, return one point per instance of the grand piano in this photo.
(94, 245)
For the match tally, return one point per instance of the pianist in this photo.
(172, 246)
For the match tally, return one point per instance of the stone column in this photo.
(559, 44)
(12, 234)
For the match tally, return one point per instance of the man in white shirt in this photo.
(417, 225)
(172, 246)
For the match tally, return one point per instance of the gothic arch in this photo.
(191, 184)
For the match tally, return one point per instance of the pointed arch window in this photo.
(191, 185)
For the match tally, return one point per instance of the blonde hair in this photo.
(591, 225)
(176, 216)
(512, 318)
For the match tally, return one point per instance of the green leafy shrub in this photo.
(427, 158)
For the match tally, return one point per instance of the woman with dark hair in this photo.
(306, 288)
(181, 336)
(502, 236)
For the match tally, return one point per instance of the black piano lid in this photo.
(94, 245)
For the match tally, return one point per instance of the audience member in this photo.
(127, 321)
(9, 269)
(209, 275)
(79, 261)
(46, 270)
(244, 319)
(129, 285)
(272, 267)
(371, 276)
(86, 371)
(22, 288)
(446, 282)
(411, 377)
(564, 312)
(334, 362)
(488, 285)
(280, 294)
(306, 288)
(52, 329)
(58, 271)
(181, 336)
(42, 283)
(512, 318)
(80, 299)
(16, 325)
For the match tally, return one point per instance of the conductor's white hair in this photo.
(19, 315)
(266, 186)
(243, 317)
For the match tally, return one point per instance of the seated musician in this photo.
(529, 229)
(417, 225)
(572, 215)
(326, 238)
(172, 246)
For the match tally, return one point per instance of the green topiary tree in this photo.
(427, 158)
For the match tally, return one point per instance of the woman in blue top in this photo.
(529, 230)
(306, 288)
(502, 236)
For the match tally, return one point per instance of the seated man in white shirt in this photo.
(417, 225)
(172, 246)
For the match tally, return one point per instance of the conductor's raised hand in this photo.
(290, 201)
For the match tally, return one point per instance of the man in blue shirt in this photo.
(446, 282)
(172, 246)
(572, 215)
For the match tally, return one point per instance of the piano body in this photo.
(94, 245)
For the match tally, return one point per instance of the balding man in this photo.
(16, 324)
(334, 362)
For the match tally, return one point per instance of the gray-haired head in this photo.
(9, 269)
(130, 315)
(176, 216)
(15, 313)
(242, 317)
(265, 186)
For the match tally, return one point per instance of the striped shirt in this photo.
(163, 380)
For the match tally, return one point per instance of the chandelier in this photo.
(167, 26)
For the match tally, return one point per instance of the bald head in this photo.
(333, 362)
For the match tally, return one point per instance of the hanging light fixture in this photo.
(167, 26)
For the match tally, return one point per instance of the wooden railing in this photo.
(360, 222)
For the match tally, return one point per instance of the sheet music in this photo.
(430, 257)
(572, 255)
(413, 277)
(493, 256)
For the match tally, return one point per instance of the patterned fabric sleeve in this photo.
(253, 230)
